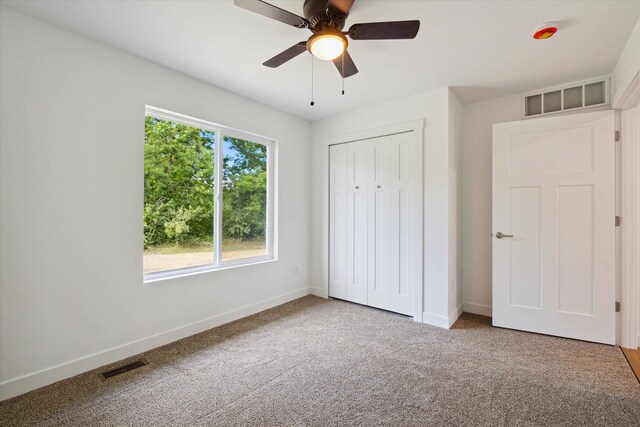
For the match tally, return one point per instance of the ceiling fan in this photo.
(326, 19)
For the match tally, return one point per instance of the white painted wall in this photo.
(439, 222)
(71, 158)
(476, 197)
(627, 67)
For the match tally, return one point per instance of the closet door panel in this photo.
(379, 224)
(375, 248)
(338, 215)
(402, 217)
(358, 155)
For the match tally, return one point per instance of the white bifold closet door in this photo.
(374, 242)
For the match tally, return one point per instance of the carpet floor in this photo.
(316, 362)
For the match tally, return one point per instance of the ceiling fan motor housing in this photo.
(320, 18)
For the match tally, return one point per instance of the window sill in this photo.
(161, 276)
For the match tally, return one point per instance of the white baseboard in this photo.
(481, 309)
(319, 292)
(25, 383)
(454, 314)
(435, 320)
(442, 321)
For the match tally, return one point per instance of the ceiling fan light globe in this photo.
(327, 47)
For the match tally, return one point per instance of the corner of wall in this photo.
(445, 322)
(474, 308)
(318, 291)
(455, 118)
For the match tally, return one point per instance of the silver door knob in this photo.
(500, 235)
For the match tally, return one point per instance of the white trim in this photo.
(271, 229)
(415, 126)
(630, 208)
(192, 121)
(481, 309)
(568, 85)
(32, 381)
(561, 88)
(436, 320)
(631, 96)
(318, 291)
(418, 293)
(192, 271)
(455, 314)
(376, 132)
(217, 200)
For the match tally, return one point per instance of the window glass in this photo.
(244, 218)
(178, 195)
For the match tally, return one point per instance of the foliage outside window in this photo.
(187, 223)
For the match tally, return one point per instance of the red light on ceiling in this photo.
(545, 31)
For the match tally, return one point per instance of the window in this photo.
(208, 196)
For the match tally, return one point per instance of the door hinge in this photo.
(618, 221)
(617, 306)
(617, 136)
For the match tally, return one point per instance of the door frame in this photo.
(629, 173)
(417, 127)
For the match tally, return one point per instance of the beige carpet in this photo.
(314, 362)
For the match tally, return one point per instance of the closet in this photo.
(375, 242)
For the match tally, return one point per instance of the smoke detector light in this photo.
(327, 46)
(545, 30)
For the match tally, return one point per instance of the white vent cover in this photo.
(569, 97)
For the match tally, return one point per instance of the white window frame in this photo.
(561, 88)
(221, 132)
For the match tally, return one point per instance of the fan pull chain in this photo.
(312, 103)
(344, 53)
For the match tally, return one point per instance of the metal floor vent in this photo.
(125, 368)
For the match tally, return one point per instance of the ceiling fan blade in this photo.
(384, 30)
(270, 11)
(349, 67)
(341, 7)
(286, 55)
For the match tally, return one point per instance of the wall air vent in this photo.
(570, 97)
(122, 369)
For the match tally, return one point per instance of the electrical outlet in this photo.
(296, 270)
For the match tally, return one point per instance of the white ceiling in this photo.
(483, 49)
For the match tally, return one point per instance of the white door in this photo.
(338, 219)
(554, 226)
(357, 183)
(375, 244)
(405, 239)
(379, 289)
(348, 221)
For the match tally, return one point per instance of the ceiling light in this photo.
(545, 30)
(327, 46)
